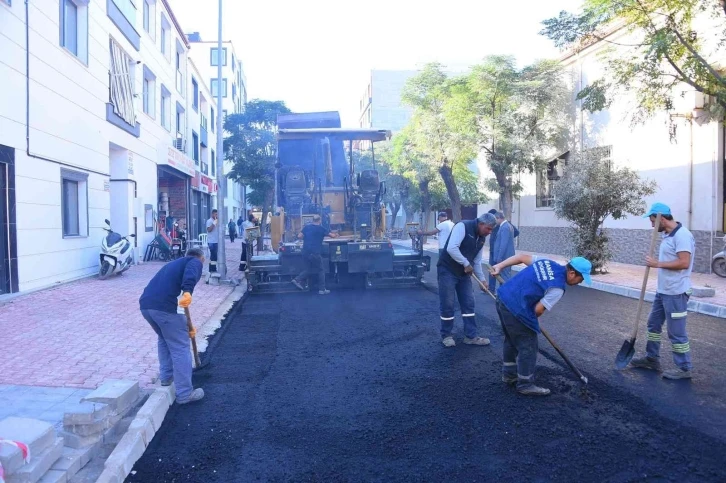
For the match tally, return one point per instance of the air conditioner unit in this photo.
(179, 144)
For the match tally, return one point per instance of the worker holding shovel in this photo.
(158, 305)
(522, 300)
(674, 264)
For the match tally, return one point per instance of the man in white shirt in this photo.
(462, 256)
(213, 240)
(443, 229)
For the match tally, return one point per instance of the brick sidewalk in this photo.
(625, 275)
(81, 333)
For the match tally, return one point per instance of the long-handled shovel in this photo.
(190, 327)
(544, 332)
(628, 349)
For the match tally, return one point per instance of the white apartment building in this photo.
(688, 169)
(234, 97)
(101, 117)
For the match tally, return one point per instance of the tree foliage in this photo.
(591, 191)
(432, 133)
(516, 117)
(252, 147)
(673, 42)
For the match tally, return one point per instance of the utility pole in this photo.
(221, 179)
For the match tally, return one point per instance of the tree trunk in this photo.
(423, 186)
(506, 196)
(266, 208)
(395, 208)
(452, 190)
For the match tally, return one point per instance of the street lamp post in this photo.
(221, 179)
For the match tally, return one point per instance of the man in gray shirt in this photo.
(503, 248)
(674, 264)
(213, 240)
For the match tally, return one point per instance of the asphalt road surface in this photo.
(356, 386)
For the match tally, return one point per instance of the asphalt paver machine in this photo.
(316, 175)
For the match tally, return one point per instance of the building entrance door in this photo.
(4, 253)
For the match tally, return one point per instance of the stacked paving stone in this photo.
(57, 458)
(96, 420)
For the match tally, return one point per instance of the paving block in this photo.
(703, 291)
(89, 429)
(69, 462)
(86, 413)
(155, 409)
(38, 435)
(54, 476)
(145, 427)
(708, 309)
(76, 441)
(126, 454)
(39, 464)
(118, 394)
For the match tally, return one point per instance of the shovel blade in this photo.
(627, 351)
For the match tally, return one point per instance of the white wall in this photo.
(68, 127)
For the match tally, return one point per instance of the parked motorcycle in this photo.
(116, 253)
(718, 262)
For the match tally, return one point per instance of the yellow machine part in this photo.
(277, 226)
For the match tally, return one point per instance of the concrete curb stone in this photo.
(126, 454)
(154, 409)
(39, 464)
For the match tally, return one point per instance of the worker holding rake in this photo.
(522, 300)
(158, 305)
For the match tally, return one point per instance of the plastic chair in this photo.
(205, 246)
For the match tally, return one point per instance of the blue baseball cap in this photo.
(583, 266)
(656, 208)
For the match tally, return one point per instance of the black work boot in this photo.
(646, 363)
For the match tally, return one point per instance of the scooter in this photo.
(116, 253)
(718, 262)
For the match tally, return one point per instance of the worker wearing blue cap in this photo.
(674, 264)
(523, 299)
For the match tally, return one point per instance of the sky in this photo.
(316, 55)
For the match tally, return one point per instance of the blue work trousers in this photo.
(451, 287)
(175, 357)
(672, 309)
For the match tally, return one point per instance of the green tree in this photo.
(252, 147)
(514, 116)
(673, 42)
(591, 191)
(432, 134)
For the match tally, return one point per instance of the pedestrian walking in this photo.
(213, 240)
(158, 304)
(250, 223)
(521, 302)
(312, 236)
(232, 228)
(501, 248)
(443, 229)
(240, 220)
(461, 257)
(674, 264)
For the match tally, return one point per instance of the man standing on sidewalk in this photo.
(443, 229)
(213, 240)
(461, 257)
(503, 248)
(312, 236)
(245, 247)
(674, 264)
(158, 306)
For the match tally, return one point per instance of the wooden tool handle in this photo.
(489, 269)
(190, 327)
(653, 239)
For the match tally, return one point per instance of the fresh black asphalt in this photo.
(355, 386)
